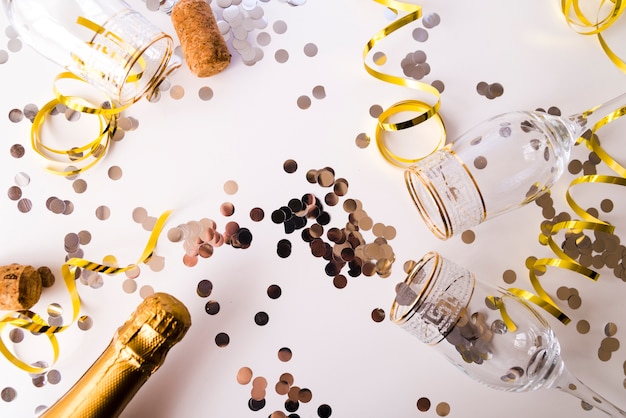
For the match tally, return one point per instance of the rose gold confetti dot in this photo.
(575, 167)
(304, 102)
(319, 92)
(8, 394)
(438, 84)
(133, 272)
(389, 232)
(79, 186)
(14, 193)
(146, 291)
(257, 214)
(244, 375)
(84, 237)
(129, 286)
(284, 354)
(115, 172)
(231, 187)
(340, 281)
(85, 322)
(16, 335)
(480, 162)
(103, 212)
(227, 209)
(177, 92)
(17, 151)
(281, 56)
(156, 263)
(362, 140)
(310, 50)
(378, 315)
(263, 39)
(16, 115)
(375, 111)
(24, 205)
(190, 260)
(280, 27)
(205, 93)
(282, 387)
(379, 58)
(140, 215)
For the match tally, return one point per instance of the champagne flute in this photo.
(497, 166)
(490, 334)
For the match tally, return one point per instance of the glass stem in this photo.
(600, 114)
(568, 383)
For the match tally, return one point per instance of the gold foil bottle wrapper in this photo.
(137, 350)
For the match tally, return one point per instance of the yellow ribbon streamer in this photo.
(585, 25)
(65, 161)
(425, 110)
(33, 322)
(588, 222)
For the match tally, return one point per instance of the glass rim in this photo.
(159, 73)
(395, 313)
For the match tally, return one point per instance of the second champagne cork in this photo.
(203, 46)
(20, 287)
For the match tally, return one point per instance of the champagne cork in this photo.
(203, 46)
(20, 287)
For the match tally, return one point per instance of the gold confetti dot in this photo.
(583, 326)
(468, 236)
(443, 409)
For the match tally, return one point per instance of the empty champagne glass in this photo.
(108, 44)
(499, 165)
(490, 334)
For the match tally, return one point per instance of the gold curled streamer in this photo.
(426, 110)
(33, 322)
(578, 21)
(95, 149)
(588, 222)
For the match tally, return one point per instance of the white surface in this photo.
(185, 150)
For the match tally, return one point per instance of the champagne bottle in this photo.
(136, 351)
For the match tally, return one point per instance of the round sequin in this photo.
(231, 187)
(480, 162)
(285, 354)
(204, 288)
(281, 56)
(103, 213)
(423, 404)
(261, 318)
(115, 172)
(17, 151)
(222, 339)
(205, 93)
(8, 394)
(24, 205)
(304, 102)
(310, 50)
(212, 307)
